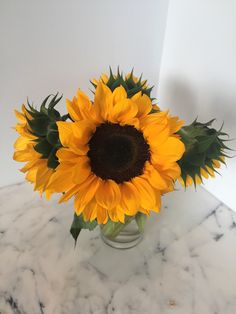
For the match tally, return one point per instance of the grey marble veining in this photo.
(186, 263)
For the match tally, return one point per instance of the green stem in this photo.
(112, 229)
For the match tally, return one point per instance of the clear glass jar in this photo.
(128, 237)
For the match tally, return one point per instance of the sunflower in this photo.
(38, 143)
(204, 154)
(36, 168)
(117, 158)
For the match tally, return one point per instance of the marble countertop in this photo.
(186, 263)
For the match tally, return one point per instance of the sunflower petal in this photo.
(144, 104)
(86, 192)
(103, 101)
(65, 132)
(102, 215)
(108, 194)
(124, 110)
(146, 192)
(154, 177)
(169, 151)
(81, 170)
(119, 94)
(129, 198)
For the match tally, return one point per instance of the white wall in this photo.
(50, 46)
(198, 72)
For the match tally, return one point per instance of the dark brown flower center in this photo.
(117, 152)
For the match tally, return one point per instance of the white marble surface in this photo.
(185, 265)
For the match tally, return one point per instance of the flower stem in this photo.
(112, 229)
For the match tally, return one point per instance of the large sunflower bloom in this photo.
(117, 158)
(36, 168)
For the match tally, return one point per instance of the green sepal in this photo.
(131, 86)
(53, 137)
(54, 114)
(42, 124)
(52, 159)
(43, 147)
(39, 125)
(78, 224)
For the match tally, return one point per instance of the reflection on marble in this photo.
(185, 265)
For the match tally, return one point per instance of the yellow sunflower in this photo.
(36, 168)
(117, 158)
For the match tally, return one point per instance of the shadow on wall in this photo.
(202, 101)
(180, 99)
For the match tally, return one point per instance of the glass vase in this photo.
(122, 236)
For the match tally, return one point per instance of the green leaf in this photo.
(78, 224)
(141, 221)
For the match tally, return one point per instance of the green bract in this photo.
(43, 126)
(203, 146)
(131, 84)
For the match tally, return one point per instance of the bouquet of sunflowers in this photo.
(115, 155)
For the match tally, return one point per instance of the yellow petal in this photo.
(216, 163)
(156, 118)
(117, 214)
(26, 155)
(86, 192)
(119, 94)
(171, 150)
(198, 180)
(123, 111)
(129, 198)
(157, 208)
(21, 143)
(210, 171)
(108, 194)
(67, 155)
(73, 109)
(31, 175)
(68, 132)
(29, 165)
(175, 124)
(20, 116)
(81, 170)
(65, 132)
(61, 180)
(146, 192)
(69, 193)
(171, 170)
(83, 131)
(154, 177)
(102, 215)
(204, 173)
(103, 101)
(84, 104)
(143, 103)
(79, 108)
